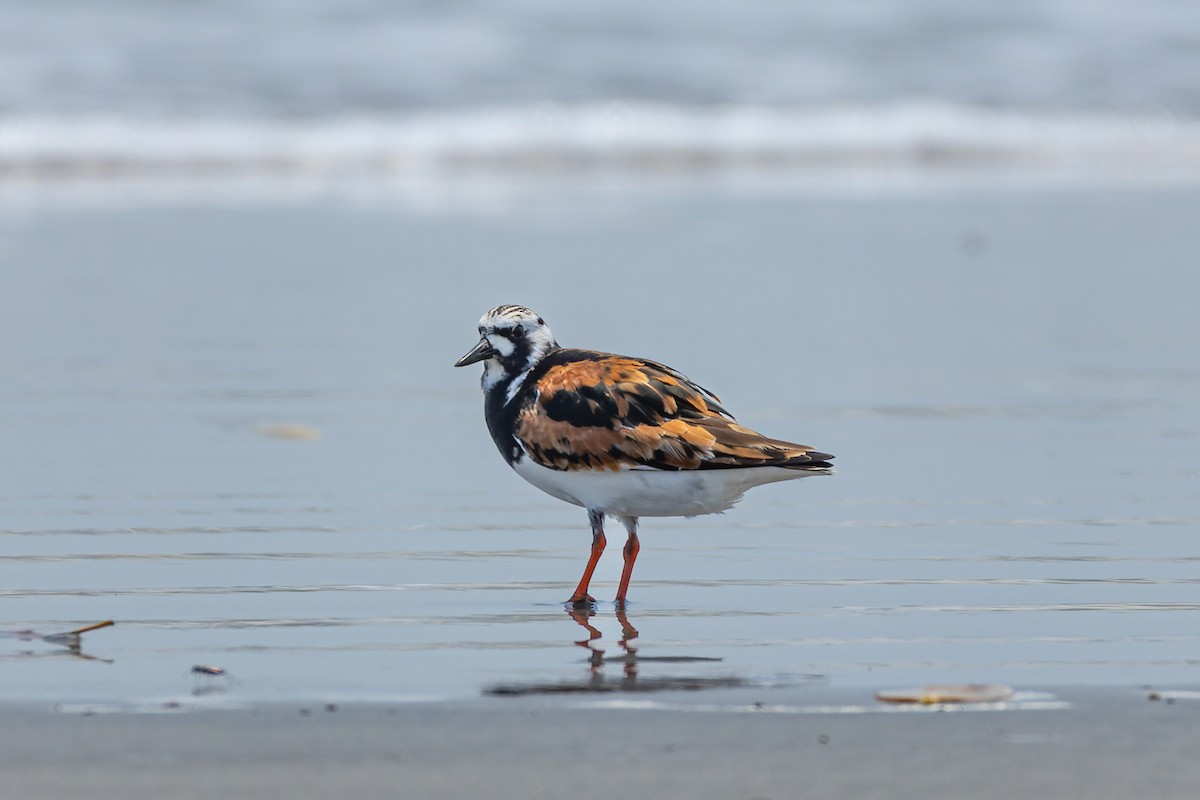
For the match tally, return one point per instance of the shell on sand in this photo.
(948, 693)
(288, 430)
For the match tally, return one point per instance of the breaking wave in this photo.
(599, 137)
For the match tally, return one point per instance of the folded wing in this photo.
(599, 411)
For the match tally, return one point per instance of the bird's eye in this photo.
(514, 332)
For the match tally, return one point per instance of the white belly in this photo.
(648, 492)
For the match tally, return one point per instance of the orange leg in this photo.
(581, 596)
(632, 547)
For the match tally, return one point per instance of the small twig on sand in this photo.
(70, 639)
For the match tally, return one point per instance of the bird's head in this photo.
(512, 340)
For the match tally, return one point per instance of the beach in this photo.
(1107, 744)
(1001, 374)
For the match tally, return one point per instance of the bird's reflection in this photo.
(598, 659)
(600, 679)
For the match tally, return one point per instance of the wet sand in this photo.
(1091, 743)
(1006, 338)
(392, 556)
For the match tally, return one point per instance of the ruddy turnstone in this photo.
(617, 435)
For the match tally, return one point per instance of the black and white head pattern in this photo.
(520, 339)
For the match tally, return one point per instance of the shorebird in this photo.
(619, 436)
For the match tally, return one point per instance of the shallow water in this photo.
(1008, 378)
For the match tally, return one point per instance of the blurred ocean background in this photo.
(314, 90)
